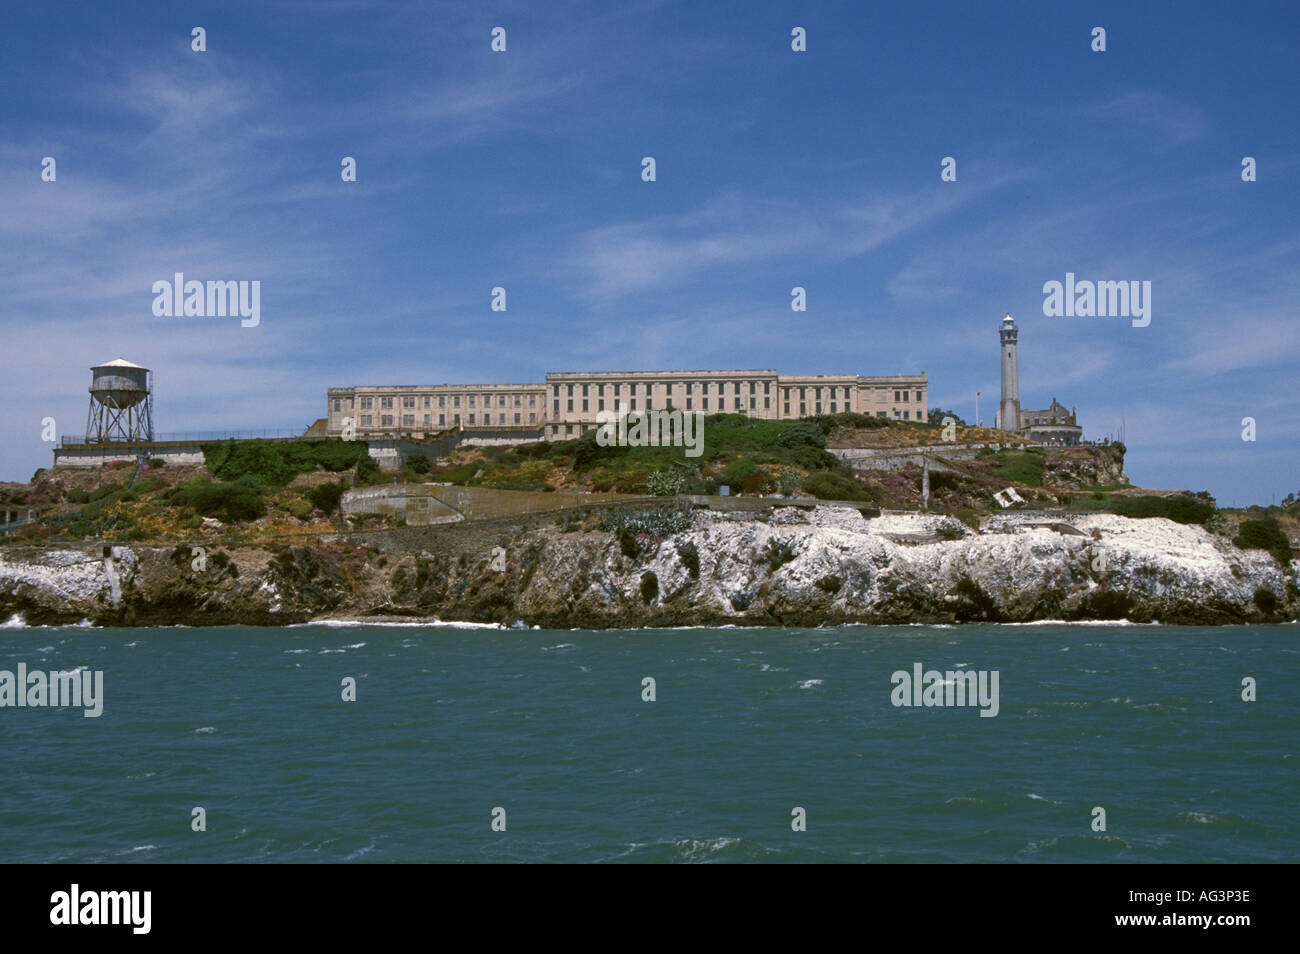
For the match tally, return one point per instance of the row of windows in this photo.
(409, 401)
(690, 404)
(408, 420)
(668, 386)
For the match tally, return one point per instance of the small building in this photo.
(1056, 425)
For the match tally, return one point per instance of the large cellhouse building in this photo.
(571, 402)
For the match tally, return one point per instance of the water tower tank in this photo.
(119, 384)
(121, 404)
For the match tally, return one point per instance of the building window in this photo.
(442, 420)
(557, 409)
(532, 400)
(442, 400)
(633, 401)
(570, 405)
(408, 400)
(906, 415)
(616, 387)
(584, 406)
(880, 414)
(367, 403)
(898, 396)
(472, 398)
(787, 407)
(408, 420)
(338, 405)
(386, 403)
(518, 400)
(600, 404)
(570, 395)
(367, 420)
(819, 407)
(803, 394)
(803, 408)
(568, 430)
(556, 388)
(600, 390)
(532, 418)
(649, 404)
(704, 403)
(767, 404)
(737, 404)
(833, 411)
(426, 420)
(517, 416)
(501, 418)
(584, 390)
(386, 420)
(456, 419)
(456, 402)
(471, 418)
(688, 403)
(688, 391)
(767, 387)
(737, 387)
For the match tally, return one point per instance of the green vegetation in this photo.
(1179, 509)
(1024, 468)
(668, 482)
(275, 463)
(238, 500)
(832, 486)
(1264, 534)
(326, 497)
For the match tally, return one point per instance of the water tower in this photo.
(121, 403)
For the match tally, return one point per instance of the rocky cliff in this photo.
(792, 567)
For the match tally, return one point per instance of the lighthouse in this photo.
(1009, 409)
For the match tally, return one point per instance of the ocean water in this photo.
(451, 723)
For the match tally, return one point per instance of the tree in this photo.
(937, 415)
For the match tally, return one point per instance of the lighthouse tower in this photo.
(1009, 410)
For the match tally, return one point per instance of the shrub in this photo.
(667, 482)
(1266, 600)
(1178, 509)
(417, 462)
(275, 463)
(802, 432)
(779, 553)
(1264, 534)
(237, 501)
(326, 496)
(825, 485)
(738, 470)
(155, 462)
(814, 458)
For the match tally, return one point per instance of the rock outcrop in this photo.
(825, 566)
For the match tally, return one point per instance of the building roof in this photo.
(119, 363)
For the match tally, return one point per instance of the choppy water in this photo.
(451, 723)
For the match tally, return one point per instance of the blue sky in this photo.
(522, 169)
